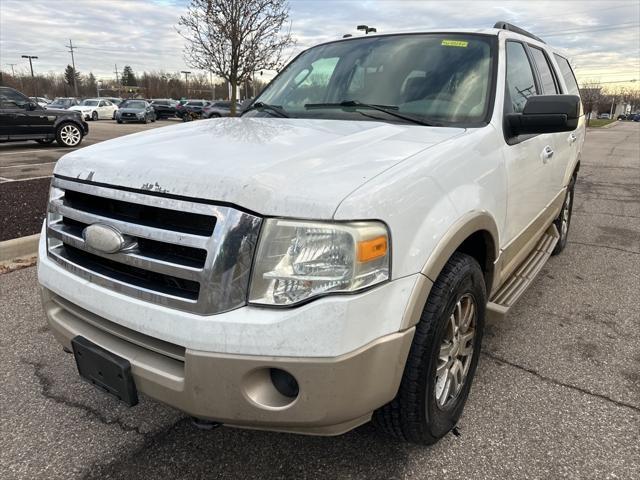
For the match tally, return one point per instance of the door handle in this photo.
(572, 138)
(547, 153)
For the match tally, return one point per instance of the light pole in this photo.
(366, 29)
(186, 80)
(35, 84)
(166, 82)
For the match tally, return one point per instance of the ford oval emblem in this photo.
(103, 238)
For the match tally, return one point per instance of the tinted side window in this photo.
(12, 99)
(544, 69)
(520, 82)
(567, 74)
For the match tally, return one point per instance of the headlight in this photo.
(299, 260)
(140, 114)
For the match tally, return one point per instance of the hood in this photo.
(131, 110)
(288, 167)
(80, 108)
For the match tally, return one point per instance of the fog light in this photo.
(284, 382)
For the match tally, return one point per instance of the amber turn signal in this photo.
(372, 249)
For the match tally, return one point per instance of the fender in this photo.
(467, 225)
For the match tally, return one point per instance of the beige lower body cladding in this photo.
(335, 394)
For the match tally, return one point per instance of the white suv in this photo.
(329, 257)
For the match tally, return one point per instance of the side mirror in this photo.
(32, 106)
(545, 114)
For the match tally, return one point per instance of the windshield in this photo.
(90, 103)
(442, 78)
(132, 104)
(61, 101)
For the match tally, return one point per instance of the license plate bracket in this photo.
(107, 371)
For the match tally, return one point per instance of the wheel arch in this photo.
(475, 234)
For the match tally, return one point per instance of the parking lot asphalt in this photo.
(25, 170)
(556, 395)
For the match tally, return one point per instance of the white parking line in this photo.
(22, 152)
(27, 164)
(9, 180)
(2, 179)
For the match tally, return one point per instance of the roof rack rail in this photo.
(514, 29)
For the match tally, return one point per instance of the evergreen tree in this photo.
(69, 74)
(128, 77)
(91, 84)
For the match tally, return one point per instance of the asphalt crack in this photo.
(633, 252)
(553, 381)
(46, 387)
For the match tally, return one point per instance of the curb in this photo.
(19, 247)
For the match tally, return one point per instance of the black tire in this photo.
(94, 116)
(146, 119)
(68, 134)
(567, 209)
(119, 121)
(113, 117)
(414, 415)
(45, 141)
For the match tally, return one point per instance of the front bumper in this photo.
(335, 394)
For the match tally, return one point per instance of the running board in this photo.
(519, 281)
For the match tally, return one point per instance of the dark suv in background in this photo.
(23, 119)
(164, 108)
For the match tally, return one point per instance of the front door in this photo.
(14, 121)
(527, 158)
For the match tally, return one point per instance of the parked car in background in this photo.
(62, 103)
(604, 116)
(164, 107)
(635, 117)
(23, 119)
(42, 101)
(96, 108)
(135, 111)
(194, 107)
(219, 109)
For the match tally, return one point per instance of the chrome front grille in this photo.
(186, 254)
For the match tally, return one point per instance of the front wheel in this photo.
(94, 116)
(68, 135)
(442, 361)
(563, 222)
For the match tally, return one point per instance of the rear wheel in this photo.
(563, 222)
(68, 135)
(443, 357)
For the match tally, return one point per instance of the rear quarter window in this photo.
(567, 74)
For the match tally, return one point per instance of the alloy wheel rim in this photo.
(70, 135)
(566, 208)
(456, 351)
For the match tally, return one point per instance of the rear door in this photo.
(563, 143)
(572, 141)
(527, 156)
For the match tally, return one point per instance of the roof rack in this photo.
(514, 29)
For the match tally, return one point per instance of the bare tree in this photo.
(233, 39)
(591, 94)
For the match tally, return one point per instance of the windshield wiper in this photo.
(389, 109)
(261, 107)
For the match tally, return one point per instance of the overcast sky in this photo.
(601, 37)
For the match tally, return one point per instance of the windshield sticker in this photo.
(455, 43)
